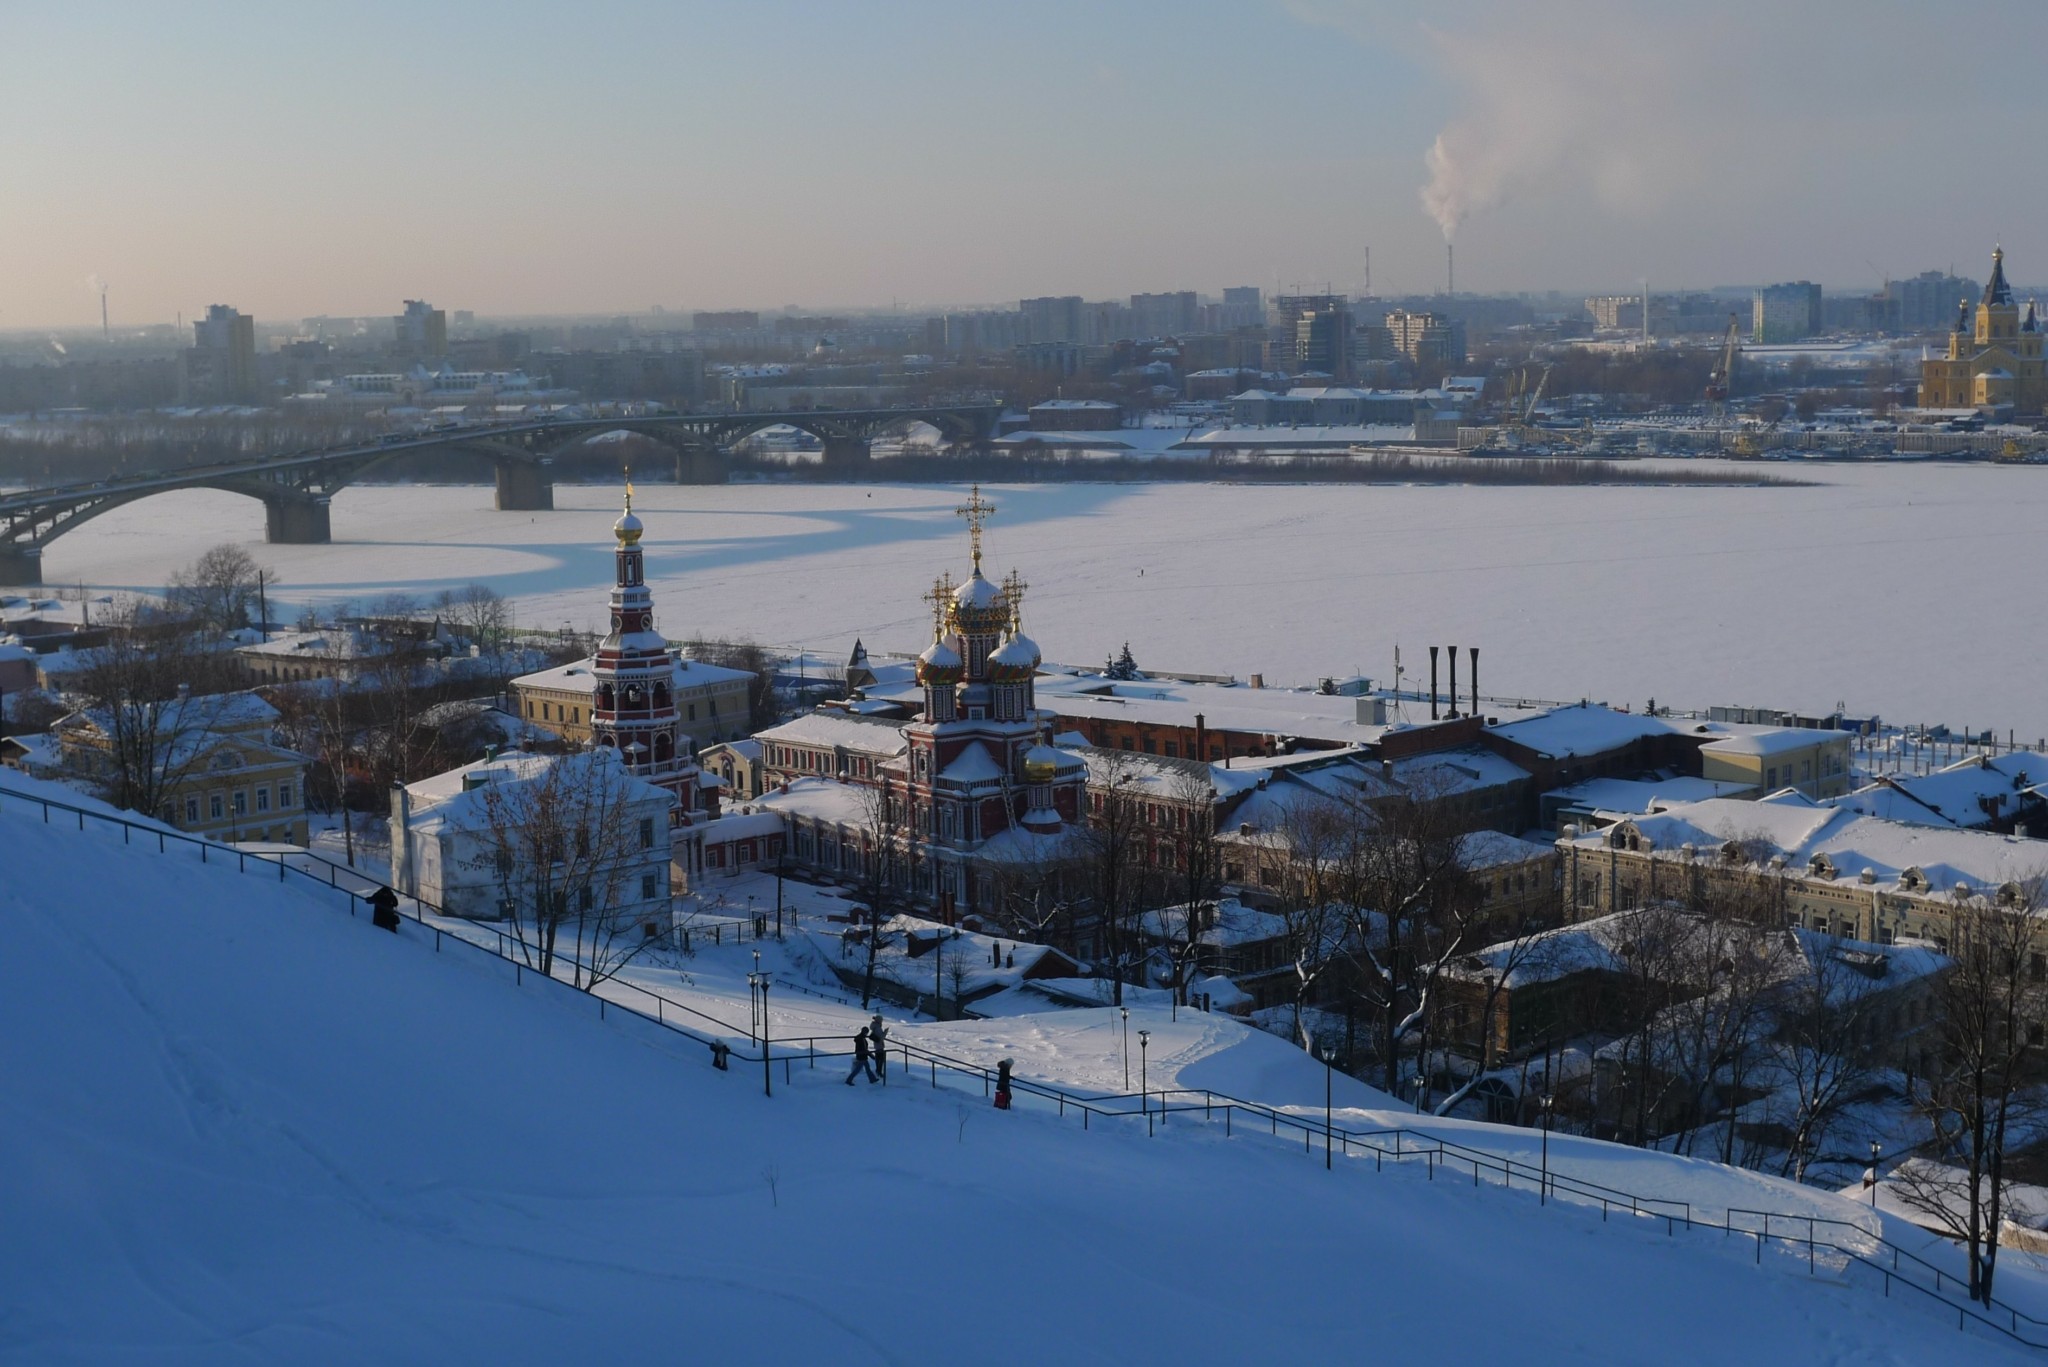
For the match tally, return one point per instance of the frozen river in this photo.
(1897, 589)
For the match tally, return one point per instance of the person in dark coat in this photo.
(860, 1058)
(878, 1036)
(384, 909)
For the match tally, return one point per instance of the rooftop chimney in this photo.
(1432, 682)
(1475, 681)
(1452, 710)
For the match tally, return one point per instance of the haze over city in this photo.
(934, 154)
(1334, 681)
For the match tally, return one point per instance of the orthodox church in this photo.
(1997, 364)
(979, 781)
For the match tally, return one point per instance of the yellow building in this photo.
(216, 767)
(1814, 762)
(1996, 365)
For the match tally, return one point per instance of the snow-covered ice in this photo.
(1896, 588)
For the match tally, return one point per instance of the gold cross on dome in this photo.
(941, 598)
(977, 510)
(629, 488)
(1013, 591)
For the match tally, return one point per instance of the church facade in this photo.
(1994, 362)
(977, 784)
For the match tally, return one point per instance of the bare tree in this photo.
(1114, 843)
(146, 708)
(476, 611)
(1197, 874)
(1988, 1022)
(569, 842)
(218, 590)
(1317, 843)
(1413, 908)
(1826, 1046)
(877, 873)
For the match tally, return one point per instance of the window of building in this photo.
(693, 711)
(241, 802)
(216, 806)
(649, 887)
(191, 809)
(646, 832)
(586, 898)
(262, 799)
(284, 795)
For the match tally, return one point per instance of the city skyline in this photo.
(706, 157)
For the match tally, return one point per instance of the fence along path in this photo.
(1841, 1247)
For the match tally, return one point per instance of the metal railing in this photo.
(1845, 1244)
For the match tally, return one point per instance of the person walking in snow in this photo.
(878, 1036)
(860, 1058)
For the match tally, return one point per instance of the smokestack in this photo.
(1452, 710)
(1432, 682)
(1450, 269)
(1475, 681)
(106, 328)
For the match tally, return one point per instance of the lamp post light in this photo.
(1874, 1152)
(1126, 1011)
(1419, 1083)
(1549, 1104)
(1144, 1083)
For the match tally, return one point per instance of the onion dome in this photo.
(940, 664)
(627, 529)
(1015, 660)
(1041, 763)
(979, 607)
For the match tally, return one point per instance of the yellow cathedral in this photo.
(1999, 365)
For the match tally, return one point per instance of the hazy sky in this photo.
(524, 157)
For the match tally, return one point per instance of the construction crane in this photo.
(1723, 376)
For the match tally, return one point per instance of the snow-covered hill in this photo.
(240, 1126)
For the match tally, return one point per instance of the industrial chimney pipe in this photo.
(1432, 682)
(1475, 681)
(1452, 710)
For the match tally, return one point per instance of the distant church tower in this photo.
(1997, 365)
(633, 709)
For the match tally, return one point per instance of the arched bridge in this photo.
(295, 487)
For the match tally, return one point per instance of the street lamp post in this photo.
(1549, 1104)
(757, 992)
(1419, 1083)
(1874, 1152)
(1144, 1082)
(1127, 1046)
(1328, 1083)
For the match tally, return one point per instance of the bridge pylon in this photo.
(524, 488)
(299, 520)
(700, 465)
(21, 567)
(842, 452)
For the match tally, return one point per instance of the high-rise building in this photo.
(1430, 341)
(422, 331)
(1785, 313)
(1243, 307)
(1322, 341)
(221, 367)
(1927, 300)
(1052, 318)
(1165, 315)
